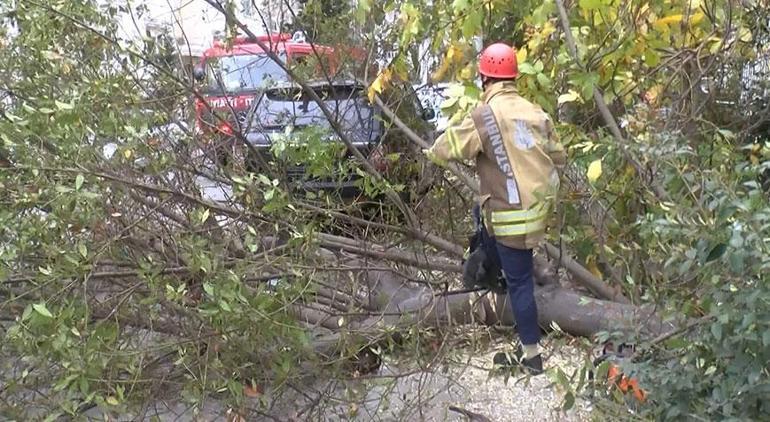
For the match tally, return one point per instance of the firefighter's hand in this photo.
(433, 158)
(473, 269)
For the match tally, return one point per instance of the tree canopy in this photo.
(122, 278)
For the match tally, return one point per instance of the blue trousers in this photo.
(517, 265)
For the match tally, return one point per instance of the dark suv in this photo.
(285, 114)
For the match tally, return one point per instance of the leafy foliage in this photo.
(107, 245)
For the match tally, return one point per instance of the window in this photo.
(313, 66)
(243, 73)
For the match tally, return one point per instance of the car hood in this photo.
(285, 106)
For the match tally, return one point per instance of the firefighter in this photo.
(518, 160)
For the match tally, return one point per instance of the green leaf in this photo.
(208, 288)
(569, 401)
(448, 103)
(112, 401)
(263, 179)
(543, 80)
(590, 4)
(716, 331)
(83, 385)
(52, 417)
(472, 23)
(561, 378)
(726, 134)
(27, 313)
(79, 181)
(83, 250)
(676, 343)
(716, 252)
(459, 5)
(63, 106)
(42, 310)
(225, 306)
(527, 69)
(651, 58)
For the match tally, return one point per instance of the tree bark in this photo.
(400, 304)
(584, 277)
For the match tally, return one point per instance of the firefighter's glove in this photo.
(433, 158)
(478, 271)
(473, 269)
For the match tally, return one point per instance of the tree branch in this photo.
(607, 116)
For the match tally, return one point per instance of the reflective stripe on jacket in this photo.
(517, 198)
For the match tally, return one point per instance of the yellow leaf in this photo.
(593, 268)
(696, 18)
(548, 29)
(568, 97)
(521, 55)
(466, 73)
(669, 20)
(112, 401)
(379, 84)
(438, 75)
(454, 54)
(594, 170)
(127, 153)
(744, 34)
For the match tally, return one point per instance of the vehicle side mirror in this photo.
(429, 113)
(199, 73)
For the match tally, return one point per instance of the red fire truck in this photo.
(232, 76)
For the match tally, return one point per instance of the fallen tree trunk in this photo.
(401, 305)
(574, 313)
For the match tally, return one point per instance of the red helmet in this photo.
(499, 61)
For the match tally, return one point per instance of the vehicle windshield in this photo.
(243, 72)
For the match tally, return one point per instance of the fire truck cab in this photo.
(231, 77)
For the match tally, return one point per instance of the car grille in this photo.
(295, 172)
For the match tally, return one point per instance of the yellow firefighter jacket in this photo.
(518, 160)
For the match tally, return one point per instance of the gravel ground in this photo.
(470, 387)
(419, 396)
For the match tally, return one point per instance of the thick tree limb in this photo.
(584, 277)
(467, 179)
(376, 251)
(414, 233)
(402, 305)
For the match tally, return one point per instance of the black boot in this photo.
(533, 366)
